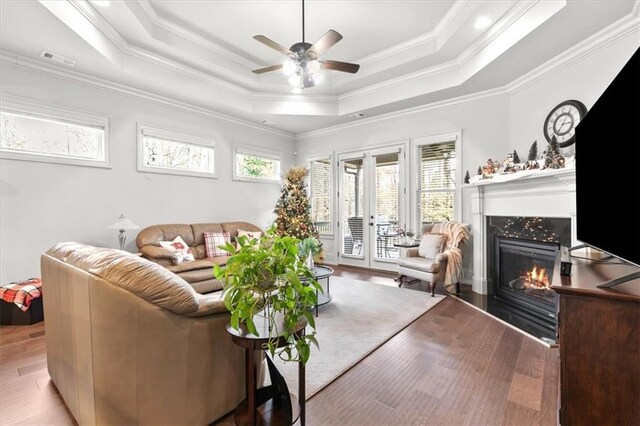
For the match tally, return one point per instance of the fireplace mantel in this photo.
(542, 193)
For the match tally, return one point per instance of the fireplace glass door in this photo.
(524, 273)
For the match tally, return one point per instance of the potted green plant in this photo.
(308, 249)
(267, 276)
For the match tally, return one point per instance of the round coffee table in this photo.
(322, 273)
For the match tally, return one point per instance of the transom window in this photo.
(437, 182)
(320, 184)
(257, 165)
(163, 151)
(35, 135)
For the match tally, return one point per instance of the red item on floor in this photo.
(22, 293)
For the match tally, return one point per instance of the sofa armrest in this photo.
(442, 257)
(153, 253)
(412, 252)
(209, 304)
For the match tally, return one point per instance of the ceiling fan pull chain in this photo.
(303, 21)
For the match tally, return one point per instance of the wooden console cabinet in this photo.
(599, 339)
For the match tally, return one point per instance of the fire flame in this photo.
(537, 278)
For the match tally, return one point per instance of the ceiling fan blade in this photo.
(340, 66)
(267, 69)
(272, 44)
(326, 41)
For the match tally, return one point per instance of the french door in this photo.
(371, 206)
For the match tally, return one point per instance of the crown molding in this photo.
(420, 42)
(165, 24)
(603, 38)
(474, 97)
(75, 77)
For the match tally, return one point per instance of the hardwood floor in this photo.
(453, 365)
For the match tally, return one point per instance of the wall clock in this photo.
(562, 121)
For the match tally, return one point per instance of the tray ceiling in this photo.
(202, 52)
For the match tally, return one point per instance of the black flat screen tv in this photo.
(607, 162)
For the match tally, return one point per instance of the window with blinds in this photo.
(437, 183)
(320, 184)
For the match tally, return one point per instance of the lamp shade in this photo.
(123, 223)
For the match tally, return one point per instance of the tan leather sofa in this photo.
(198, 273)
(129, 342)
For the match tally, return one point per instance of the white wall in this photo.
(491, 127)
(42, 204)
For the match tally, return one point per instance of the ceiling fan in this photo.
(303, 64)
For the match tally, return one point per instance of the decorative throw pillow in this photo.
(249, 234)
(431, 245)
(214, 239)
(179, 248)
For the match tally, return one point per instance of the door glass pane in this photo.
(352, 207)
(387, 209)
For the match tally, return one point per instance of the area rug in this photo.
(360, 318)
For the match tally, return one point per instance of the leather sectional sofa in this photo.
(198, 273)
(129, 342)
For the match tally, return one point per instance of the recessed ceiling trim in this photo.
(482, 52)
(161, 22)
(603, 38)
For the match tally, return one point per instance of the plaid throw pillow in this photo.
(214, 239)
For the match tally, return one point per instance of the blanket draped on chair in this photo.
(457, 233)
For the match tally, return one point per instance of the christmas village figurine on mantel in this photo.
(551, 158)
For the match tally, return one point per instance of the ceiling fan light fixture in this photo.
(289, 67)
(317, 78)
(307, 80)
(313, 66)
(294, 80)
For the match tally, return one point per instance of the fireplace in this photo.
(522, 278)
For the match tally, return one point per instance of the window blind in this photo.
(320, 193)
(437, 182)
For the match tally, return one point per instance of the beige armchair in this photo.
(439, 257)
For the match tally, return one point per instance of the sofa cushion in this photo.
(145, 279)
(152, 235)
(207, 286)
(431, 245)
(232, 228)
(212, 241)
(420, 264)
(206, 263)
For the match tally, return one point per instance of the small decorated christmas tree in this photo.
(554, 149)
(516, 157)
(533, 151)
(293, 209)
(467, 177)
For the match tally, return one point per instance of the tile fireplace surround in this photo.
(544, 193)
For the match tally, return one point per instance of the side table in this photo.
(322, 273)
(280, 407)
(401, 279)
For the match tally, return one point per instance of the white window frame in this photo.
(416, 145)
(332, 172)
(256, 152)
(156, 132)
(30, 108)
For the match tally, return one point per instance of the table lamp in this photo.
(122, 224)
